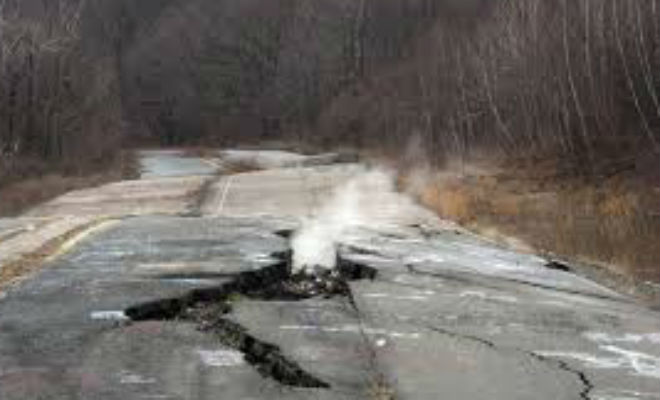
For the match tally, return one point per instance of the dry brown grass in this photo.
(19, 196)
(613, 223)
(450, 201)
(242, 166)
(31, 263)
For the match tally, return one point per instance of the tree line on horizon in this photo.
(575, 81)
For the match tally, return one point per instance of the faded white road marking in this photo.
(352, 329)
(473, 293)
(483, 296)
(225, 191)
(129, 378)
(639, 363)
(643, 363)
(623, 394)
(221, 358)
(108, 315)
(626, 338)
(394, 297)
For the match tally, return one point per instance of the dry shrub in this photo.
(241, 166)
(21, 194)
(610, 224)
(607, 226)
(449, 202)
(508, 205)
(618, 205)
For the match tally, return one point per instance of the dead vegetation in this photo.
(19, 193)
(560, 97)
(613, 222)
(30, 263)
(241, 166)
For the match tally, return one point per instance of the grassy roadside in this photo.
(17, 269)
(19, 196)
(611, 224)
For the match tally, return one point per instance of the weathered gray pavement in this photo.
(448, 315)
(172, 163)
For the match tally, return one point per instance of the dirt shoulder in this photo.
(51, 242)
(607, 228)
(21, 195)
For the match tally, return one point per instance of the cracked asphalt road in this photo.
(449, 315)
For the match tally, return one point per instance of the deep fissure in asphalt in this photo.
(587, 385)
(207, 308)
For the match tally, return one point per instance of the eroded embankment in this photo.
(208, 308)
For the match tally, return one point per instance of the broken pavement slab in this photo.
(194, 366)
(323, 336)
(26, 241)
(529, 339)
(448, 314)
(68, 324)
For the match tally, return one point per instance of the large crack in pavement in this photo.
(201, 196)
(267, 358)
(585, 382)
(587, 385)
(208, 308)
(472, 278)
(379, 387)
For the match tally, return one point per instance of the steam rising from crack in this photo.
(360, 202)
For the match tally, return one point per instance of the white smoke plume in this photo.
(368, 200)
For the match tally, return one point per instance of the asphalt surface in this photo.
(448, 315)
(172, 163)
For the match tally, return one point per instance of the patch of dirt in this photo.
(28, 264)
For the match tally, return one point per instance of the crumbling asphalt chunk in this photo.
(557, 266)
(208, 308)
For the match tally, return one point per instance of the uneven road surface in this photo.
(160, 288)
